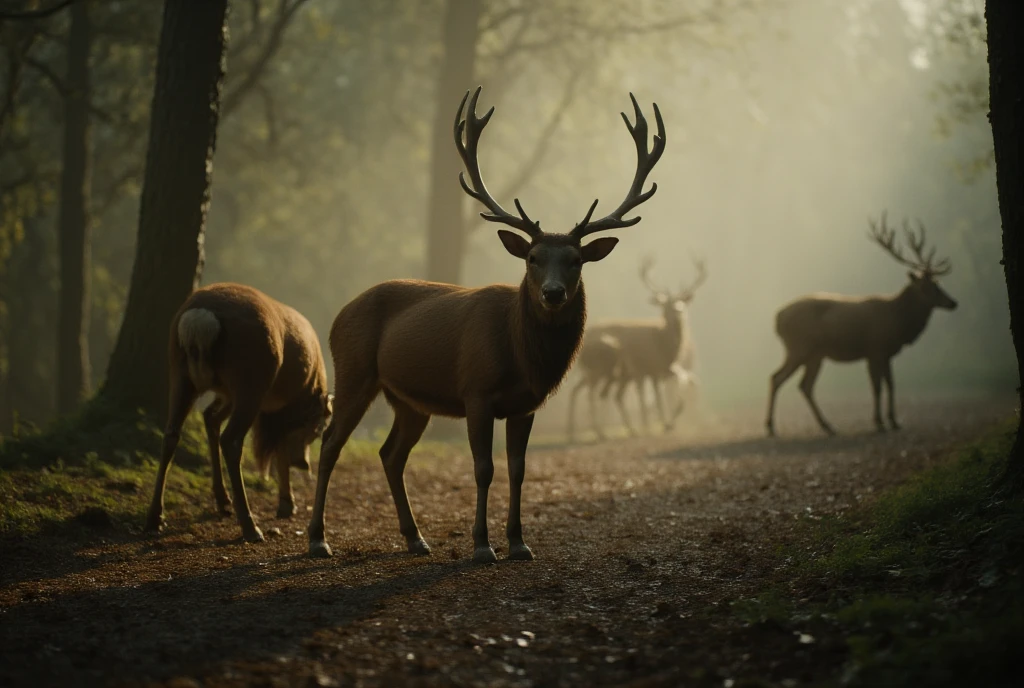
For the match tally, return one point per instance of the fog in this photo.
(789, 124)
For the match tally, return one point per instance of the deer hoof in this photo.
(520, 552)
(319, 549)
(484, 555)
(895, 425)
(419, 546)
(253, 535)
(286, 510)
(154, 524)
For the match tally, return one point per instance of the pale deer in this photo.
(262, 361)
(654, 350)
(476, 353)
(600, 363)
(846, 329)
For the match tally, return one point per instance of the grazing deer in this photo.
(654, 350)
(491, 352)
(846, 329)
(262, 360)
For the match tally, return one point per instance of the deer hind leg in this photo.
(517, 436)
(347, 414)
(887, 377)
(620, 393)
(875, 373)
(394, 454)
(243, 414)
(183, 395)
(480, 424)
(811, 370)
(778, 378)
(213, 416)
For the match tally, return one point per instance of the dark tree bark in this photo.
(446, 233)
(73, 373)
(1005, 20)
(175, 198)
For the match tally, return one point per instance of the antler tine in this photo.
(688, 293)
(472, 126)
(885, 237)
(645, 275)
(646, 159)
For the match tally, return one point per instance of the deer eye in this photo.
(531, 259)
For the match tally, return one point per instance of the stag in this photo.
(876, 328)
(481, 354)
(262, 361)
(650, 350)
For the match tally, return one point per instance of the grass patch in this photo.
(922, 587)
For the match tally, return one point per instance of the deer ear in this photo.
(598, 249)
(514, 244)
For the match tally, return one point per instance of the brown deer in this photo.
(491, 352)
(262, 360)
(846, 329)
(600, 363)
(652, 350)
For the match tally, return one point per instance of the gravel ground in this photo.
(641, 545)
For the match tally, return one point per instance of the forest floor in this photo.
(653, 556)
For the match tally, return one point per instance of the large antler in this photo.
(645, 275)
(645, 161)
(687, 293)
(885, 237)
(472, 126)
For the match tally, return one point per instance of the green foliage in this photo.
(99, 432)
(924, 586)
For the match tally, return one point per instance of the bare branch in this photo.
(285, 12)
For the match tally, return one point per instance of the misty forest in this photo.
(733, 287)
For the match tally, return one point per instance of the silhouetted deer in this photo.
(262, 360)
(649, 350)
(492, 352)
(843, 328)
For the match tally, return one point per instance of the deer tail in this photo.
(198, 329)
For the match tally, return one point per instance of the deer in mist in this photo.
(876, 328)
(654, 350)
(481, 354)
(262, 361)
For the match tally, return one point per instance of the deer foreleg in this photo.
(875, 373)
(577, 388)
(242, 417)
(480, 424)
(517, 436)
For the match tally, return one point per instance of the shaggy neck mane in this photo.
(547, 343)
(913, 313)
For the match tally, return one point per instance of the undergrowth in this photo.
(921, 588)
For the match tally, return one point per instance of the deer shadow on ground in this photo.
(191, 624)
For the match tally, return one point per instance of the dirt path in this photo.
(641, 546)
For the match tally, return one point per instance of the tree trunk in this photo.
(1005, 20)
(175, 198)
(73, 373)
(446, 233)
